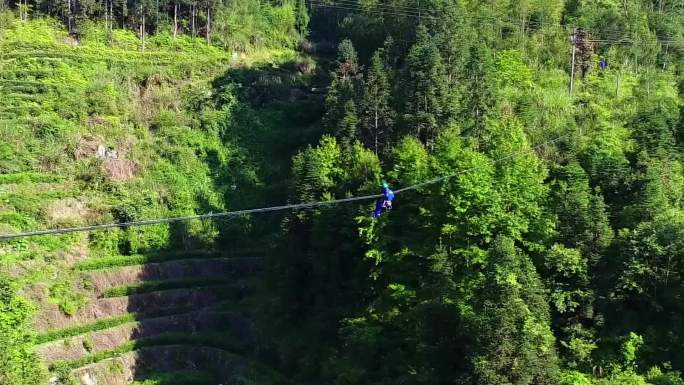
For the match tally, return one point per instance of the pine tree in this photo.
(428, 106)
(347, 128)
(377, 114)
(515, 344)
(342, 90)
(453, 36)
(582, 218)
(347, 61)
(478, 96)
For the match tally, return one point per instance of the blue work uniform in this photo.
(383, 203)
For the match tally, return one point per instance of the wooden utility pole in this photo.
(69, 17)
(208, 24)
(192, 19)
(573, 40)
(142, 25)
(175, 20)
(109, 18)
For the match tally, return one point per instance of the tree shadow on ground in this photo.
(278, 114)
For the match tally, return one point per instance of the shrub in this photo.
(18, 364)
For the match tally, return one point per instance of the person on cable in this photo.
(385, 202)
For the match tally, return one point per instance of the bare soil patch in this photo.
(120, 169)
(86, 147)
(68, 211)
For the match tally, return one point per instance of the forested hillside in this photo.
(537, 235)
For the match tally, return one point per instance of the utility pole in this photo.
(573, 40)
(70, 25)
(142, 25)
(106, 7)
(192, 18)
(208, 24)
(111, 17)
(175, 19)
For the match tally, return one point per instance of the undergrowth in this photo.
(177, 378)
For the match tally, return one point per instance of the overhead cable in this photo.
(289, 207)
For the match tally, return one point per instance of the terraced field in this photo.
(177, 319)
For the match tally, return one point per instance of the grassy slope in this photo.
(158, 109)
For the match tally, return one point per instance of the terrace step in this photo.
(102, 280)
(77, 347)
(148, 304)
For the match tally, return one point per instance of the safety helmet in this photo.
(384, 184)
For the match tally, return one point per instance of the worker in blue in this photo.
(603, 64)
(385, 202)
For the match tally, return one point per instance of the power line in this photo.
(349, 7)
(418, 12)
(297, 206)
(396, 7)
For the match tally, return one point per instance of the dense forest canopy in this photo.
(551, 251)
(558, 265)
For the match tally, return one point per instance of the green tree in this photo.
(647, 285)
(478, 99)
(428, 104)
(515, 344)
(320, 276)
(340, 109)
(582, 218)
(377, 115)
(449, 24)
(655, 123)
(347, 128)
